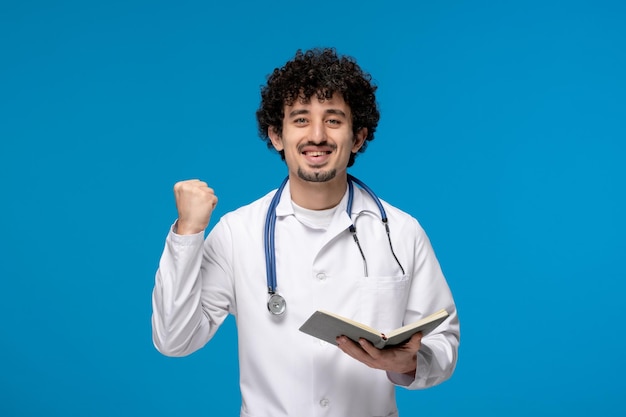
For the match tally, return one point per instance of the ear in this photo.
(359, 139)
(276, 139)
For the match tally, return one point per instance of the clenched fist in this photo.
(195, 202)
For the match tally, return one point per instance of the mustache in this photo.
(320, 144)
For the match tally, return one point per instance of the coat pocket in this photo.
(382, 301)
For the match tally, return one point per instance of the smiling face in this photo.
(317, 139)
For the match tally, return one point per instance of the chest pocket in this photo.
(382, 301)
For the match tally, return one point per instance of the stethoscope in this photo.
(276, 303)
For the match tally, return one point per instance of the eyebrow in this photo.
(298, 112)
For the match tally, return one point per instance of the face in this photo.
(317, 138)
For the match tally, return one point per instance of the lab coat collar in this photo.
(285, 208)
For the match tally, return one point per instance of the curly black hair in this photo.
(323, 73)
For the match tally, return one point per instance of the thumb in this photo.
(415, 342)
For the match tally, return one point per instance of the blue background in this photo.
(503, 129)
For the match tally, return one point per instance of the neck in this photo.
(317, 195)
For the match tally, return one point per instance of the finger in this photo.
(355, 351)
(415, 342)
(193, 187)
(193, 182)
(370, 349)
(361, 349)
(198, 184)
(349, 346)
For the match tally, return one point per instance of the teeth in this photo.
(315, 153)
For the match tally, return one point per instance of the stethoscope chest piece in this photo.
(276, 304)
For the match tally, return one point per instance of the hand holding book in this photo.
(328, 326)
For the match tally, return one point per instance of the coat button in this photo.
(324, 402)
(321, 276)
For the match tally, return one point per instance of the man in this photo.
(318, 112)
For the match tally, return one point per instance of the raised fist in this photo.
(195, 202)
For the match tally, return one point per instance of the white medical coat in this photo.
(284, 372)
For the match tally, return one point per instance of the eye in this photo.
(300, 121)
(334, 122)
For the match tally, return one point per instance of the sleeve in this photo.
(193, 291)
(429, 292)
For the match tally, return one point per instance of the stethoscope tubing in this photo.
(276, 303)
(383, 213)
(270, 252)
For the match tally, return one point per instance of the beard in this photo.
(322, 176)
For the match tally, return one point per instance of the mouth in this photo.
(316, 157)
(316, 153)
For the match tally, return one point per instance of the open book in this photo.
(328, 326)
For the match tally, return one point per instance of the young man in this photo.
(318, 112)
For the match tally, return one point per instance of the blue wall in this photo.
(503, 129)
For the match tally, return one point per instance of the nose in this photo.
(318, 132)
